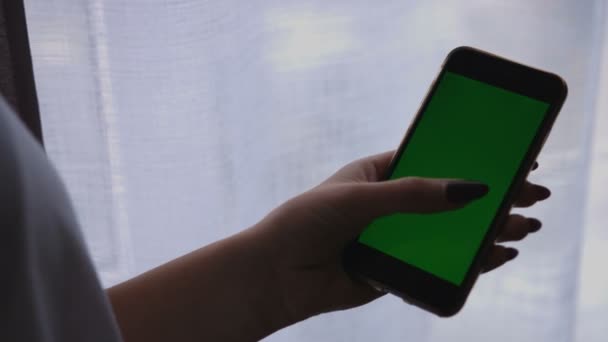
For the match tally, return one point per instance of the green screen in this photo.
(470, 130)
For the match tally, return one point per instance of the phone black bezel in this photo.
(420, 287)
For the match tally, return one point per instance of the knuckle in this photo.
(349, 193)
(526, 202)
(416, 186)
(519, 235)
(516, 228)
(517, 219)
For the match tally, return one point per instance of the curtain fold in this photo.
(178, 123)
(592, 295)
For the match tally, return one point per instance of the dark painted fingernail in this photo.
(535, 166)
(543, 192)
(534, 225)
(511, 253)
(461, 192)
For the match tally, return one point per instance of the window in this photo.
(176, 123)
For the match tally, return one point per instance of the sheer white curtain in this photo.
(176, 123)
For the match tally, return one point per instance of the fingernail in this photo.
(535, 166)
(534, 225)
(461, 192)
(511, 253)
(543, 192)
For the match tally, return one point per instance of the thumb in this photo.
(418, 195)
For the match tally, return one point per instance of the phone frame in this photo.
(419, 287)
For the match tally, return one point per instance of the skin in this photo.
(287, 267)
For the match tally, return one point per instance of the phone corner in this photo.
(442, 310)
(559, 84)
(459, 49)
(563, 85)
(449, 311)
(450, 307)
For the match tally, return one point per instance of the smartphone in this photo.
(485, 119)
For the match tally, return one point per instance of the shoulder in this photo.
(50, 290)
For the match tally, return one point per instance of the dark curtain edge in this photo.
(22, 66)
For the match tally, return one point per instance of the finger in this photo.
(518, 227)
(381, 162)
(417, 195)
(375, 167)
(530, 194)
(498, 257)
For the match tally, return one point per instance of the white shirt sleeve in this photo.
(49, 290)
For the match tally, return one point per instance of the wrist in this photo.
(261, 282)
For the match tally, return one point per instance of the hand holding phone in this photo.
(296, 252)
(485, 119)
(301, 241)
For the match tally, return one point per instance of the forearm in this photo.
(222, 292)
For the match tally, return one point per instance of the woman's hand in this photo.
(288, 267)
(305, 237)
